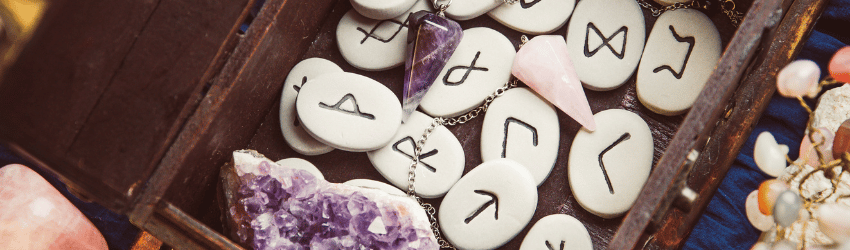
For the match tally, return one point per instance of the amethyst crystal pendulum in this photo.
(268, 206)
(431, 41)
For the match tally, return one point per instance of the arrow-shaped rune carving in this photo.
(493, 200)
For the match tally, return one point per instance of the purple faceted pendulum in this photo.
(431, 41)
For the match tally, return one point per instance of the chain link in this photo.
(726, 6)
(417, 152)
(510, 1)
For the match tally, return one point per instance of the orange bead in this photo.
(839, 66)
(769, 190)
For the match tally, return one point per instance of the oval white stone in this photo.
(605, 40)
(366, 183)
(674, 70)
(480, 65)
(298, 163)
(298, 139)
(382, 9)
(349, 111)
(463, 10)
(442, 158)
(374, 45)
(557, 231)
(769, 155)
(534, 17)
(522, 126)
(757, 219)
(622, 143)
(489, 205)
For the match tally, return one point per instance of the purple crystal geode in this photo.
(268, 206)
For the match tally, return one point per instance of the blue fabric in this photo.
(116, 229)
(724, 225)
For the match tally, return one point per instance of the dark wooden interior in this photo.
(137, 105)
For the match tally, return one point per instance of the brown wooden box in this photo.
(137, 104)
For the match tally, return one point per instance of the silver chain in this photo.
(510, 1)
(417, 152)
(727, 6)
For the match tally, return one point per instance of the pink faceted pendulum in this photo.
(543, 64)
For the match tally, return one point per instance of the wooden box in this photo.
(137, 104)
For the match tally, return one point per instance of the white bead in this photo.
(757, 219)
(834, 221)
(798, 78)
(769, 155)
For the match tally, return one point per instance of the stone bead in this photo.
(784, 245)
(834, 221)
(798, 78)
(768, 192)
(787, 208)
(34, 215)
(808, 152)
(839, 66)
(757, 219)
(833, 108)
(841, 142)
(382, 10)
(760, 246)
(769, 155)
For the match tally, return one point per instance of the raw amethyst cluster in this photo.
(275, 207)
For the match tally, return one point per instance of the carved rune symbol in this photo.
(371, 33)
(421, 156)
(523, 124)
(356, 111)
(606, 41)
(526, 5)
(493, 200)
(623, 138)
(298, 89)
(549, 245)
(691, 41)
(465, 74)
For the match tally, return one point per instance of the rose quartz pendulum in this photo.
(543, 64)
(839, 66)
(34, 215)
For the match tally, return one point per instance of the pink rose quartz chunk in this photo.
(269, 206)
(34, 215)
(543, 64)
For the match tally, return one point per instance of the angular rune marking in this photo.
(521, 123)
(421, 156)
(356, 110)
(493, 200)
(606, 41)
(623, 138)
(526, 5)
(549, 245)
(371, 33)
(465, 74)
(691, 41)
(298, 89)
